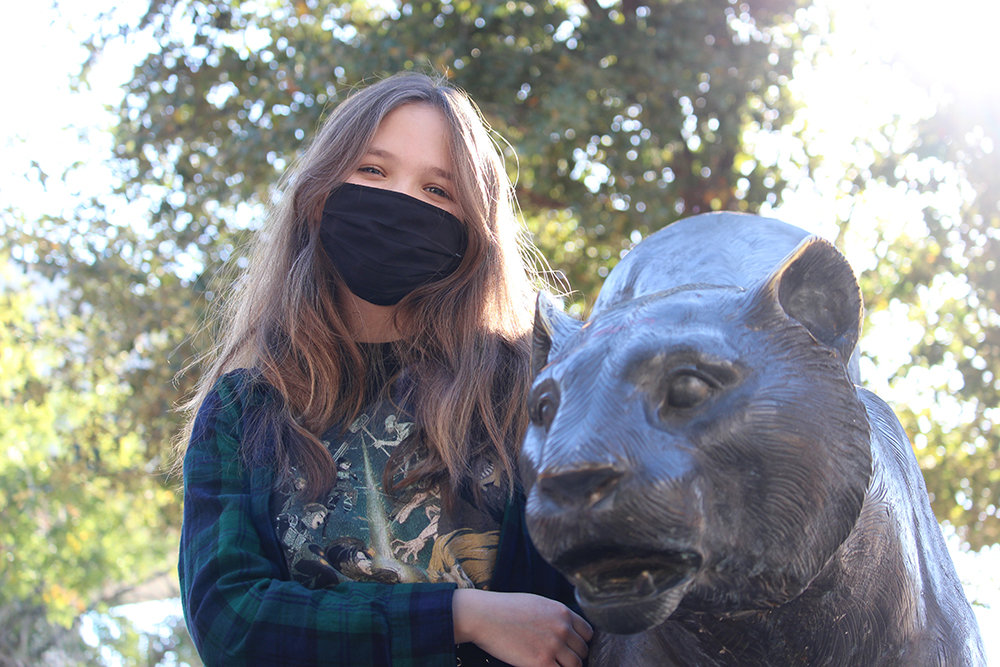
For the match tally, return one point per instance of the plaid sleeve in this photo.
(238, 607)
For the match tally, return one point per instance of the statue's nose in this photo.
(582, 486)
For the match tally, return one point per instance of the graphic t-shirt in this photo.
(358, 533)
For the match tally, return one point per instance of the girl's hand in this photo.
(522, 629)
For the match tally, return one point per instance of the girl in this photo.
(350, 479)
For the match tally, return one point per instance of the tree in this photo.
(916, 199)
(945, 280)
(81, 517)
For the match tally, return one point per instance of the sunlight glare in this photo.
(952, 45)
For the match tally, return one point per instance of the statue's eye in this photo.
(544, 404)
(687, 390)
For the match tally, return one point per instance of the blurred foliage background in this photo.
(621, 117)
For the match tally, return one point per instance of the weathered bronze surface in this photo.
(703, 467)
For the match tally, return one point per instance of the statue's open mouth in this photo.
(624, 589)
(619, 574)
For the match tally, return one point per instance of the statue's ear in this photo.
(816, 287)
(552, 327)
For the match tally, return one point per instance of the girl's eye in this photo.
(371, 170)
(435, 190)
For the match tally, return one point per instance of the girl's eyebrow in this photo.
(386, 155)
(382, 153)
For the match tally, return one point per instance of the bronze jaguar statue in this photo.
(702, 465)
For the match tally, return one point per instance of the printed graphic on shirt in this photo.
(359, 534)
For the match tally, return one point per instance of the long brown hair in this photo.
(464, 338)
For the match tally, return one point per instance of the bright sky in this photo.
(43, 122)
(46, 126)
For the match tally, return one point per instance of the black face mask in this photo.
(386, 244)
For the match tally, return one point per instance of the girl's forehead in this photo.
(415, 120)
(415, 132)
